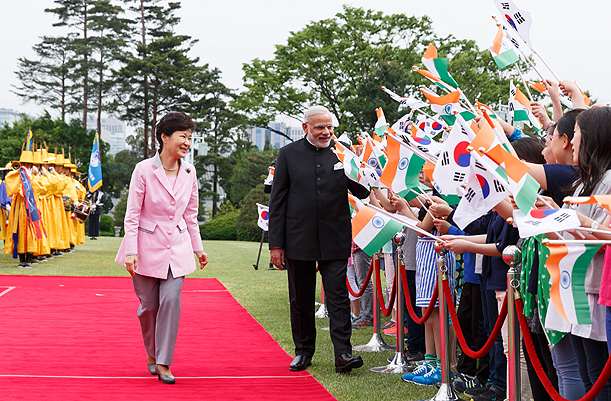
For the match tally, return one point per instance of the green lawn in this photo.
(264, 294)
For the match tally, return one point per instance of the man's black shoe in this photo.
(301, 362)
(347, 362)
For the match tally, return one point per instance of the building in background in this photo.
(260, 136)
(113, 132)
(9, 116)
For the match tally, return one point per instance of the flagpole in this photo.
(530, 96)
(425, 208)
(406, 224)
(576, 242)
(548, 67)
(524, 56)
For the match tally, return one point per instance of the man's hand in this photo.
(131, 264)
(203, 259)
(277, 256)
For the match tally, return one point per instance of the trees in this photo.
(342, 62)
(157, 77)
(47, 80)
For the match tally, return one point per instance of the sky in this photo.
(571, 36)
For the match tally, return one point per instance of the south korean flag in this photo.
(484, 190)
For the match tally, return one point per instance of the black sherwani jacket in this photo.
(309, 214)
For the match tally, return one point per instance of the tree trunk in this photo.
(100, 82)
(146, 86)
(85, 62)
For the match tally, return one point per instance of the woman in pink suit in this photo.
(161, 232)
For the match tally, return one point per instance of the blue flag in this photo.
(95, 166)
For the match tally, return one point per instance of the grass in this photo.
(264, 293)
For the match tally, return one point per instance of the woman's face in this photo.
(547, 152)
(178, 144)
(576, 142)
(424, 179)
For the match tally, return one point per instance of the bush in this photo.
(221, 227)
(120, 210)
(107, 228)
(246, 225)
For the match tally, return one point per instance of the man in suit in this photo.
(310, 222)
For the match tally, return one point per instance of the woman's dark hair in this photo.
(172, 122)
(566, 123)
(529, 150)
(594, 157)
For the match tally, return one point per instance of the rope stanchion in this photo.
(549, 387)
(408, 301)
(399, 364)
(391, 299)
(365, 284)
(376, 343)
(459, 334)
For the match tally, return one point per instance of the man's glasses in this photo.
(321, 127)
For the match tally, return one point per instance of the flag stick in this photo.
(424, 194)
(530, 96)
(406, 224)
(548, 67)
(576, 241)
(592, 230)
(524, 56)
(425, 208)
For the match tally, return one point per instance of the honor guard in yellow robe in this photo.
(19, 229)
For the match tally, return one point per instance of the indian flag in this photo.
(371, 230)
(355, 205)
(539, 87)
(502, 51)
(482, 107)
(523, 186)
(381, 125)
(401, 171)
(438, 66)
(350, 161)
(567, 265)
(433, 79)
(443, 105)
(600, 200)
(520, 106)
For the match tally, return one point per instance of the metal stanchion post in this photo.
(512, 256)
(398, 364)
(322, 311)
(376, 343)
(446, 391)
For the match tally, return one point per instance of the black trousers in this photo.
(94, 225)
(302, 285)
(471, 319)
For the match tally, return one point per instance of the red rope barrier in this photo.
(459, 334)
(362, 290)
(530, 348)
(391, 299)
(408, 301)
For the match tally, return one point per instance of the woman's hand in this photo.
(458, 245)
(441, 225)
(131, 264)
(203, 259)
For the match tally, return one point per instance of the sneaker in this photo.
(493, 393)
(421, 370)
(429, 378)
(464, 382)
(392, 331)
(353, 317)
(471, 392)
(388, 325)
(361, 323)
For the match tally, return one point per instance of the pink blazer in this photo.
(161, 222)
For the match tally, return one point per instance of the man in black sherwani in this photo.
(309, 222)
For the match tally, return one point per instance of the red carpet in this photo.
(79, 338)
